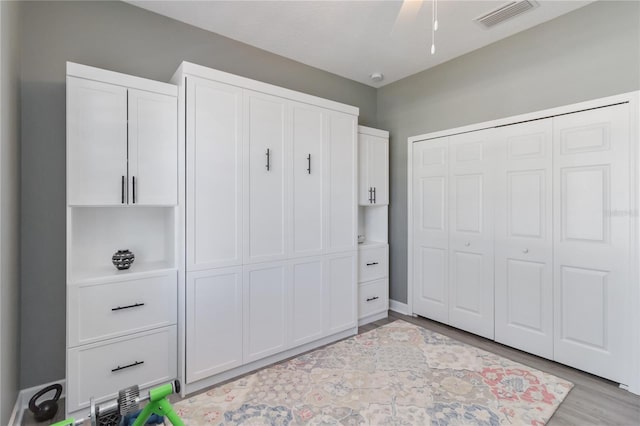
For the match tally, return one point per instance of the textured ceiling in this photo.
(357, 38)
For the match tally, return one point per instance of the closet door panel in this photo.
(214, 322)
(153, 148)
(96, 143)
(341, 292)
(307, 304)
(523, 237)
(307, 169)
(341, 182)
(430, 233)
(214, 174)
(471, 233)
(267, 119)
(592, 215)
(266, 298)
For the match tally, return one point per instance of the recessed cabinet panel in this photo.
(341, 276)
(265, 187)
(214, 174)
(307, 301)
(265, 313)
(96, 143)
(153, 148)
(307, 168)
(214, 322)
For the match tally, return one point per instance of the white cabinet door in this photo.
(592, 214)
(214, 322)
(365, 193)
(341, 290)
(266, 317)
(307, 304)
(96, 143)
(378, 159)
(214, 174)
(265, 134)
(341, 185)
(430, 183)
(523, 237)
(307, 181)
(153, 148)
(471, 232)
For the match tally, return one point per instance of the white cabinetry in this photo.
(271, 210)
(122, 151)
(373, 249)
(535, 218)
(122, 145)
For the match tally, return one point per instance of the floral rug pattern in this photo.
(398, 374)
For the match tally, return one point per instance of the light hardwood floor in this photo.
(593, 401)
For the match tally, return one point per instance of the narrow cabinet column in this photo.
(523, 237)
(341, 289)
(214, 174)
(96, 143)
(471, 232)
(307, 170)
(266, 141)
(153, 168)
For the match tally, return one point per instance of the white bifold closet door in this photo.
(523, 237)
(471, 163)
(592, 211)
(430, 229)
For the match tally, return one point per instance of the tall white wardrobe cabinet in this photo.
(524, 230)
(271, 223)
(122, 193)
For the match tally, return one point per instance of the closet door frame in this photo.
(633, 98)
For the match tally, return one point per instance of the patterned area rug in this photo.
(398, 374)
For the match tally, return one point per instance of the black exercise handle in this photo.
(118, 368)
(32, 402)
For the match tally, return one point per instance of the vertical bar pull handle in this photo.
(268, 159)
(309, 164)
(370, 195)
(133, 179)
(374, 195)
(122, 190)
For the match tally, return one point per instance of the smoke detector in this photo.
(505, 12)
(377, 77)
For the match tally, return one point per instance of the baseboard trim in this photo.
(22, 401)
(399, 307)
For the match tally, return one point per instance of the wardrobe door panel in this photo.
(523, 237)
(430, 229)
(341, 292)
(341, 184)
(96, 143)
(153, 148)
(472, 159)
(307, 170)
(214, 174)
(592, 224)
(307, 304)
(267, 120)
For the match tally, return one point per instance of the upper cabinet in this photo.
(122, 144)
(374, 166)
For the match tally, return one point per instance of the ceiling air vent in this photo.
(503, 13)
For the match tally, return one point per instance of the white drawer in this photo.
(373, 263)
(373, 297)
(100, 370)
(108, 310)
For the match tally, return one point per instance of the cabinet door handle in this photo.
(268, 159)
(118, 368)
(122, 190)
(372, 263)
(374, 195)
(372, 298)
(309, 164)
(133, 179)
(135, 305)
(370, 195)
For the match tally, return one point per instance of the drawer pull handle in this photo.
(118, 368)
(119, 308)
(372, 263)
(372, 298)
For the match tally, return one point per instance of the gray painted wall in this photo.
(124, 38)
(9, 207)
(589, 53)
